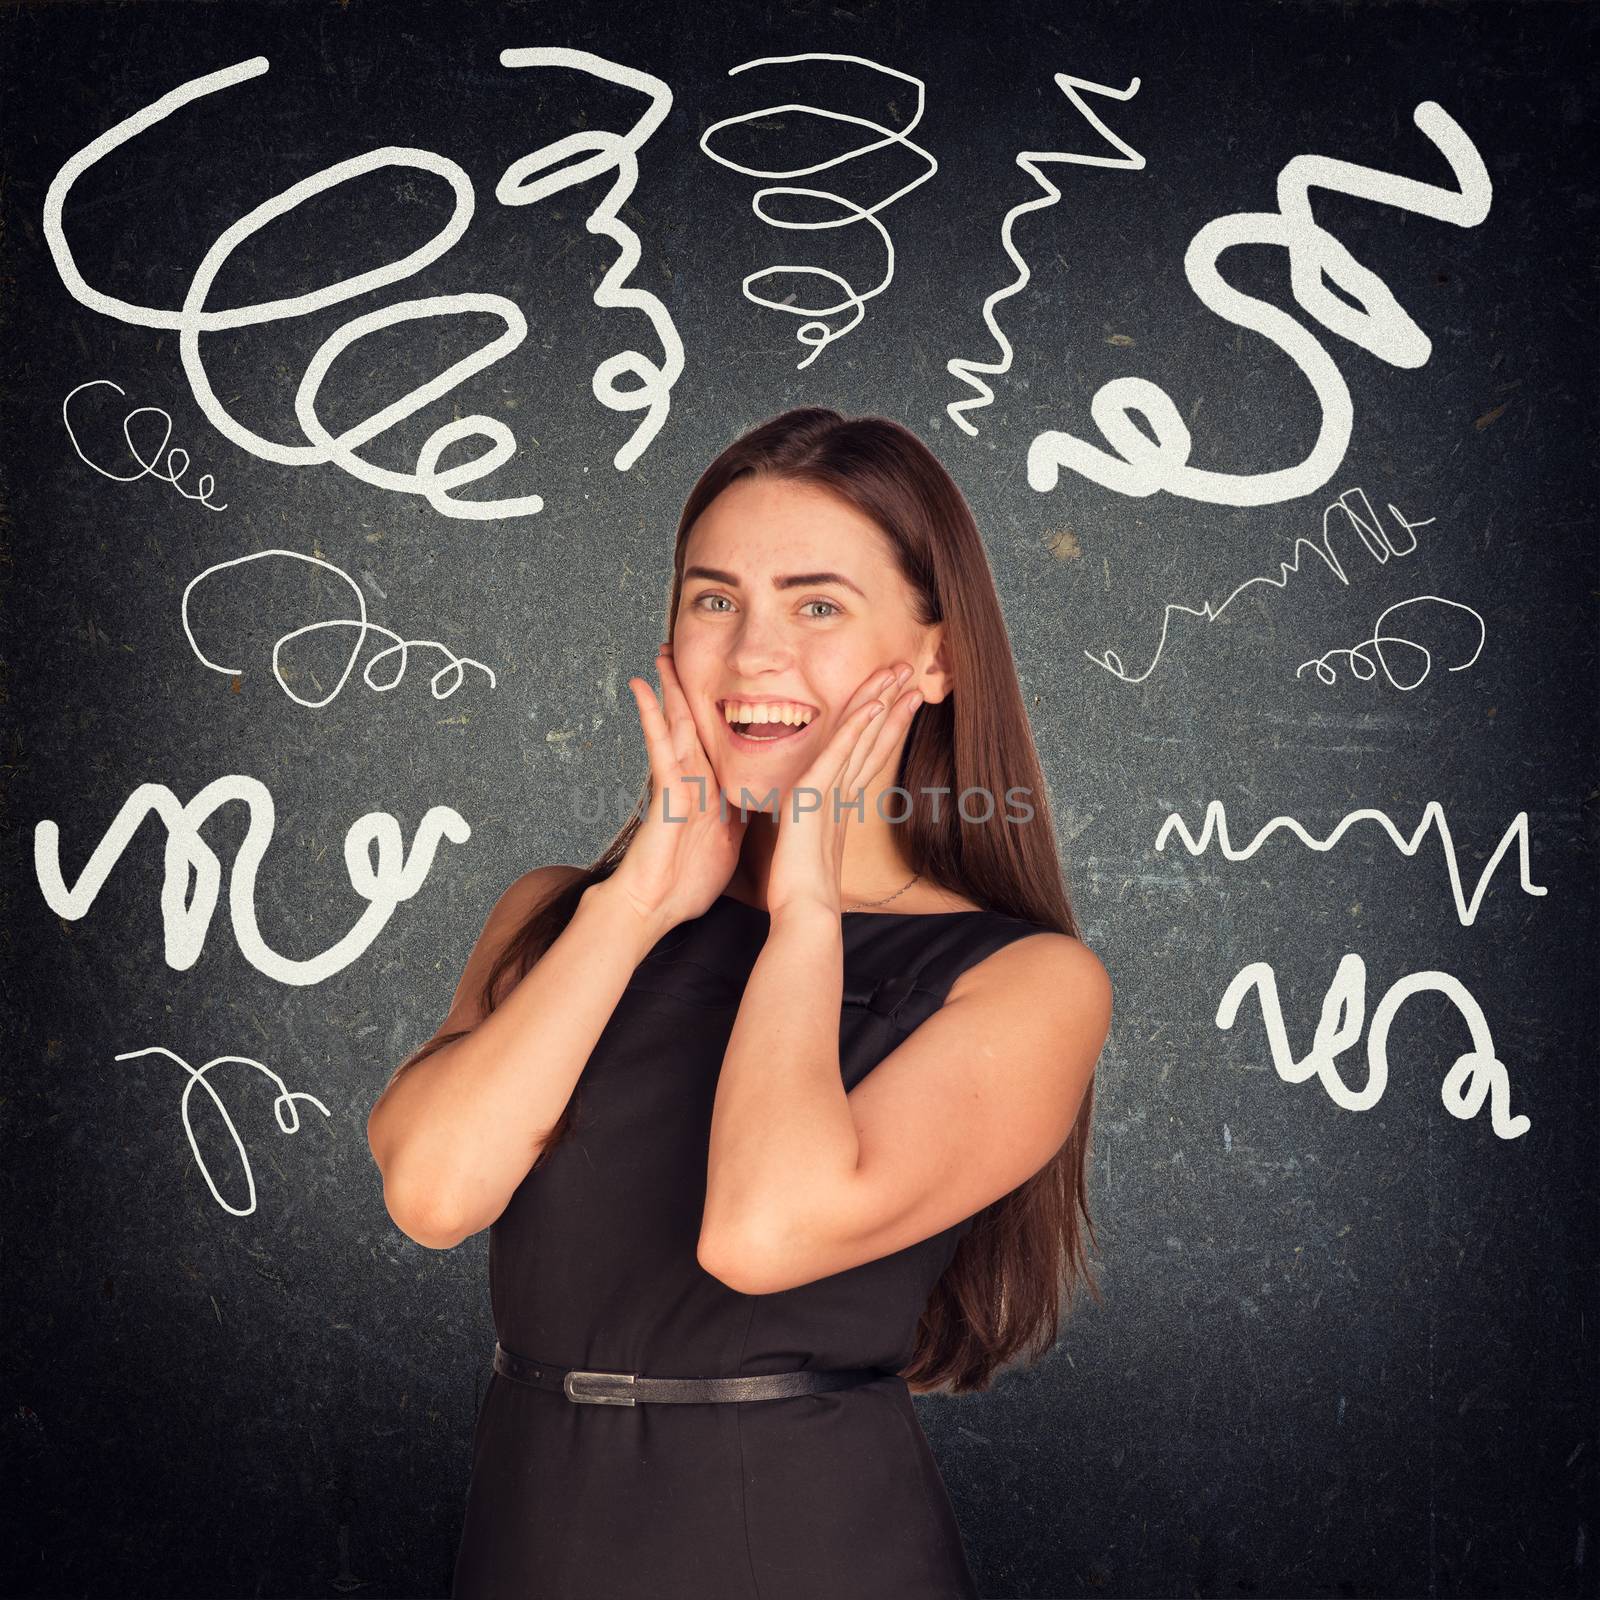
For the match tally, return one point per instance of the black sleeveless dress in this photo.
(829, 1496)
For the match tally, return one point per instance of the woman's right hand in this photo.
(685, 849)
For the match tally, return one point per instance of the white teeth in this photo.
(738, 711)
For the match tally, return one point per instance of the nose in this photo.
(759, 645)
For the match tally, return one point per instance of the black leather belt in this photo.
(626, 1388)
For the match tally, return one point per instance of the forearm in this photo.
(782, 1133)
(460, 1129)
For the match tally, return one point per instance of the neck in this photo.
(872, 866)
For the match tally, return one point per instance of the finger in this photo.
(875, 685)
(684, 731)
(827, 771)
(657, 736)
(883, 735)
(853, 774)
(885, 685)
(680, 719)
(863, 707)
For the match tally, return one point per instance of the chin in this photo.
(760, 780)
(760, 788)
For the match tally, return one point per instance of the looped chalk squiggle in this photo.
(1366, 669)
(457, 664)
(520, 185)
(283, 1108)
(817, 333)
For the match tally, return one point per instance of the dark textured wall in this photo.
(1347, 1344)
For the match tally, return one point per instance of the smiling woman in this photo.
(779, 1111)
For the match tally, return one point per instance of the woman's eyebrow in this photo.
(788, 580)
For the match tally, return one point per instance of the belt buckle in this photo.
(569, 1387)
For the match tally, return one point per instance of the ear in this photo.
(933, 679)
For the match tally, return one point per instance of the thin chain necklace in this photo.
(862, 905)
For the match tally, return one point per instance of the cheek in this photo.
(836, 674)
(696, 670)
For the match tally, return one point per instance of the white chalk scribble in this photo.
(360, 624)
(194, 874)
(1433, 816)
(817, 333)
(1031, 161)
(1155, 457)
(621, 151)
(1364, 669)
(1475, 1076)
(169, 465)
(193, 318)
(283, 1108)
(1379, 543)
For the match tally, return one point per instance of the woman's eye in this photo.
(715, 602)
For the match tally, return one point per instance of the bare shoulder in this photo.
(1044, 969)
(520, 900)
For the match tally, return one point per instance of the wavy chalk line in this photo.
(1433, 815)
(1474, 1077)
(456, 665)
(1143, 465)
(1369, 529)
(1364, 669)
(1030, 161)
(285, 1100)
(194, 874)
(435, 486)
(817, 333)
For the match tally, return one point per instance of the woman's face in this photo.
(790, 598)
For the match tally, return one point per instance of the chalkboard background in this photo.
(1344, 1350)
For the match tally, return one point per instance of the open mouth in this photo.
(757, 726)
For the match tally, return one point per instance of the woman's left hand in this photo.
(809, 855)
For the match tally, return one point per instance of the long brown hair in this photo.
(1015, 1271)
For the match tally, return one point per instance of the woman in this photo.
(787, 1096)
